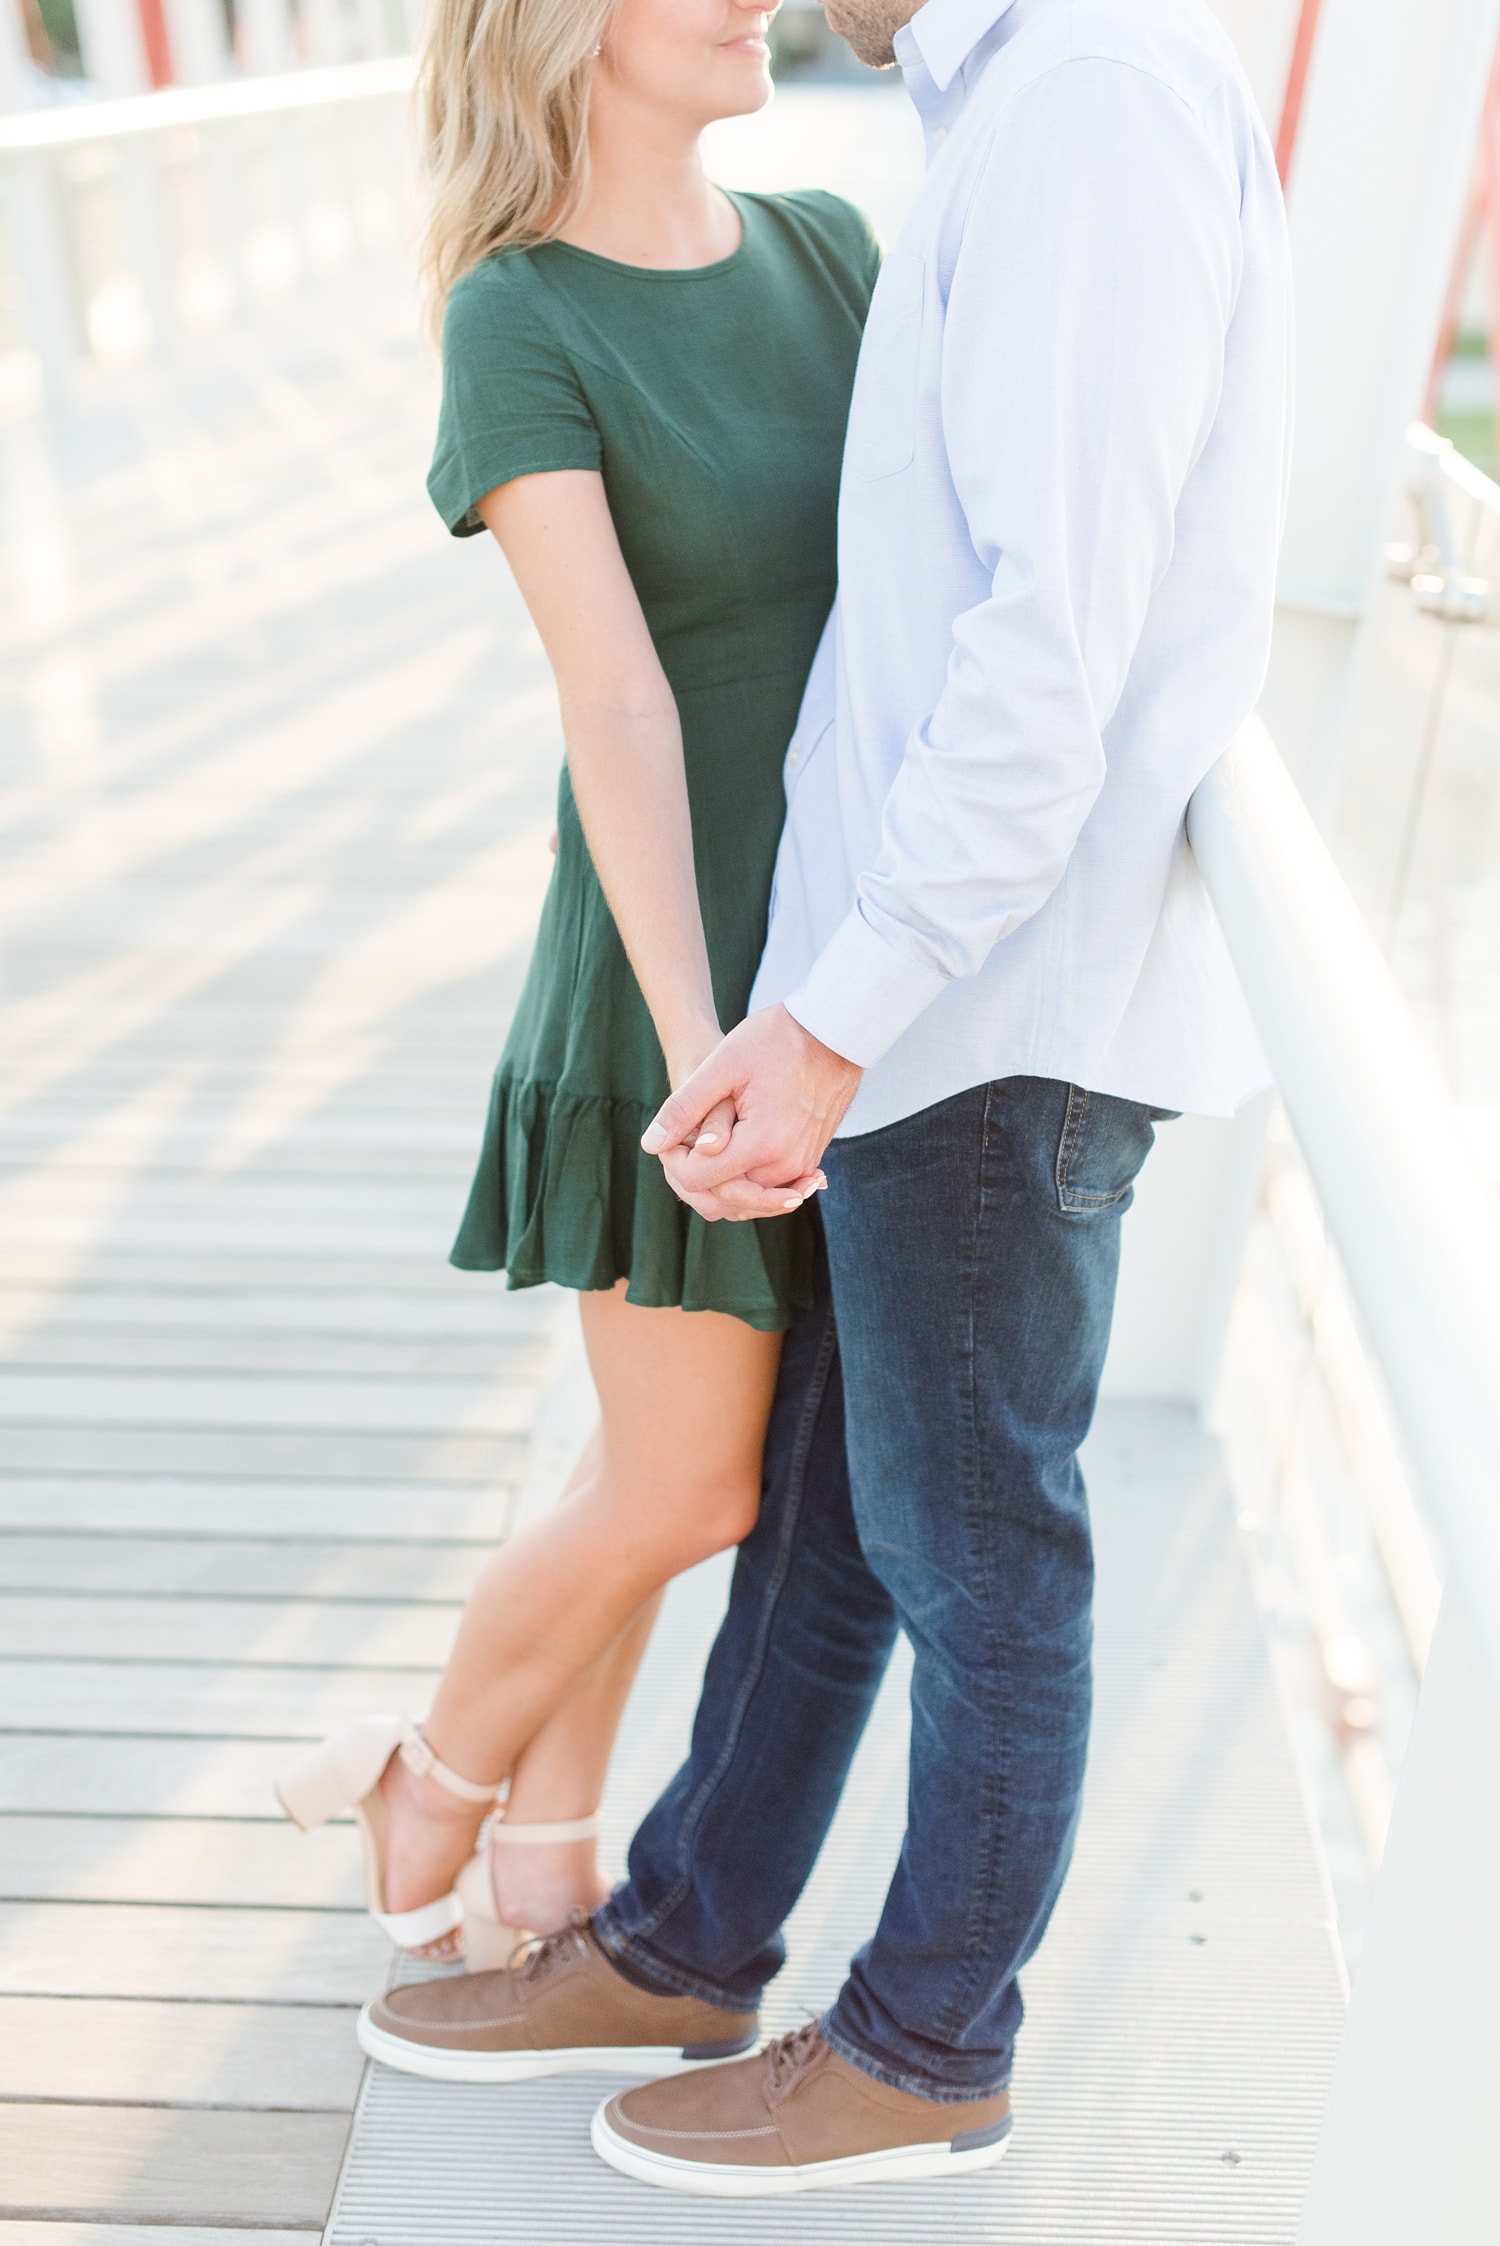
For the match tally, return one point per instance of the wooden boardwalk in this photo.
(277, 768)
(277, 762)
(276, 771)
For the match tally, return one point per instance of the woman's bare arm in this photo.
(624, 741)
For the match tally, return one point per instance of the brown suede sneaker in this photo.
(559, 2007)
(793, 2118)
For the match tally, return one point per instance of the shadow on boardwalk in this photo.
(277, 772)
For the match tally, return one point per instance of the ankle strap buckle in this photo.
(419, 1757)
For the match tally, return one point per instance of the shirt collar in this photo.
(946, 32)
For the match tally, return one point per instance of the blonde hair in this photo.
(502, 99)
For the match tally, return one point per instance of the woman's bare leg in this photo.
(672, 1476)
(561, 1776)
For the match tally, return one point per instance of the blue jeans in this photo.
(921, 1473)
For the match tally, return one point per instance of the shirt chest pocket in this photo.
(883, 411)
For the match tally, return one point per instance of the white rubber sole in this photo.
(437, 2065)
(900, 2164)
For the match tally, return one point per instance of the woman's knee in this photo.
(732, 1514)
(695, 1516)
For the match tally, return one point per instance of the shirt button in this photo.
(794, 756)
(941, 134)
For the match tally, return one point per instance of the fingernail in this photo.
(791, 1204)
(707, 1138)
(653, 1138)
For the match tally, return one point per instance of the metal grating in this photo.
(1182, 2015)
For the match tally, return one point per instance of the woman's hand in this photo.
(788, 1092)
(685, 1057)
(712, 1134)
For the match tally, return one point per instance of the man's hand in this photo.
(789, 1093)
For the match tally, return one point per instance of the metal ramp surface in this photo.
(1181, 2017)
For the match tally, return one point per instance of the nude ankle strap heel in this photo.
(340, 1770)
(488, 1941)
(536, 1836)
(343, 1773)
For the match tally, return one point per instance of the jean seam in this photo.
(951, 2018)
(1067, 1145)
(697, 1808)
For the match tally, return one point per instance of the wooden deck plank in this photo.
(344, 1454)
(239, 1567)
(352, 1136)
(274, 1632)
(426, 1406)
(415, 1213)
(103, 2051)
(178, 1859)
(186, 1349)
(361, 1509)
(228, 1955)
(425, 1275)
(168, 2164)
(390, 1225)
(144, 2234)
(486, 1315)
(218, 1703)
(110, 1775)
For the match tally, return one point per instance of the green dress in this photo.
(713, 401)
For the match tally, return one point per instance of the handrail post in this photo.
(38, 231)
(266, 35)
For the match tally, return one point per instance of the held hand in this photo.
(689, 1048)
(789, 1095)
(712, 1134)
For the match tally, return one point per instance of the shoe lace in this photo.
(790, 2054)
(533, 1959)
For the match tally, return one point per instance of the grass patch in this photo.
(1473, 435)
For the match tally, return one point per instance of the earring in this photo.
(597, 49)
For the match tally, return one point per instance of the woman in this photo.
(645, 387)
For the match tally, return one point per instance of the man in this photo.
(991, 970)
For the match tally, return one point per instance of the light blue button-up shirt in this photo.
(1062, 495)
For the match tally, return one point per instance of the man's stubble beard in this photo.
(870, 27)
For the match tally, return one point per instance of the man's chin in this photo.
(864, 41)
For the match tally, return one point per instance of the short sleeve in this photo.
(512, 403)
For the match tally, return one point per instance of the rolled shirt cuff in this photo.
(860, 994)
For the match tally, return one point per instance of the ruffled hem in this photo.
(564, 1193)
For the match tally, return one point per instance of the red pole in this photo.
(1296, 86)
(1480, 215)
(158, 45)
(1489, 157)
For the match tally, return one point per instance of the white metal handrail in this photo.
(134, 224)
(176, 108)
(1413, 1220)
(1403, 2153)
